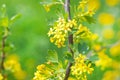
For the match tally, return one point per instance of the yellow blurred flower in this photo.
(104, 60)
(96, 47)
(108, 33)
(20, 75)
(70, 78)
(47, 7)
(1, 77)
(112, 2)
(4, 22)
(94, 36)
(111, 75)
(115, 65)
(93, 5)
(115, 50)
(12, 64)
(106, 19)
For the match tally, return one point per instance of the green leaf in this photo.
(52, 56)
(83, 48)
(69, 57)
(14, 18)
(89, 19)
(94, 58)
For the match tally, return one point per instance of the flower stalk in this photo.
(70, 39)
(3, 53)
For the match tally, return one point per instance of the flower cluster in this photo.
(83, 33)
(42, 73)
(60, 30)
(80, 68)
(48, 72)
(86, 8)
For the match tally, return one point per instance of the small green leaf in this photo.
(94, 58)
(83, 48)
(69, 57)
(52, 56)
(14, 18)
(89, 19)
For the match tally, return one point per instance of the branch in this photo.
(67, 8)
(70, 39)
(3, 53)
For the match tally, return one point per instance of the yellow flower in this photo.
(1, 77)
(80, 68)
(96, 47)
(115, 50)
(82, 33)
(82, 4)
(94, 36)
(90, 12)
(72, 23)
(88, 7)
(108, 33)
(60, 30)
(51, 32)
(106, 19)
(38, 76)
(89, 69)
(112, 2)
(47, 7)
(45, 72)
(41, 67)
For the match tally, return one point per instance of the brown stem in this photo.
(67, 8)
(3, 54)
(70, 39)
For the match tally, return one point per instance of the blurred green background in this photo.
(29, 33)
